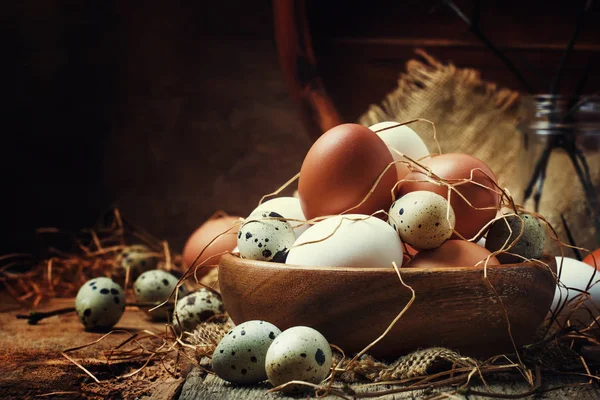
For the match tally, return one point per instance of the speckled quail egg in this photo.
(100, 303)
(420, 218)
(298, 353)
(530, 244)
(155, 287)
(289, 208)
(263, 239)
(137, 259)
(240, 356)
(195, 308)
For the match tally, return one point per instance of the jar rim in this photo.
(548, 96)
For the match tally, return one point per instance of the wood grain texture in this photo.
(31, 363)
(454, 307)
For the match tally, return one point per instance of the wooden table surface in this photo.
(31, 366)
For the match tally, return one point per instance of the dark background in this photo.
(173, 110)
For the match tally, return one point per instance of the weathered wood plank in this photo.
(31, 363)
(199, 387)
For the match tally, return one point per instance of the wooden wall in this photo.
(362, 46)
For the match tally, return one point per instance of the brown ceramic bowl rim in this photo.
(546, 258)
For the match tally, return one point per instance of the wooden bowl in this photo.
(454, 307)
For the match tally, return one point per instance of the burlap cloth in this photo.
(478, 118)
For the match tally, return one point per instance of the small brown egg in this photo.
(204, 234)
(453, 253)
(454, 168)
(341, 168)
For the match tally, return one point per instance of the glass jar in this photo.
(560, 164)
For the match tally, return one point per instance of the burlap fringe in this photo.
(419, 363)
(421, 76)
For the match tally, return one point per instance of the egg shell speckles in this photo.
(287, 207)
(137, 258)
(195, 308)
(240, 356)
(155, 287)
(100, 303)
(530, 244)
(264, 239)
(420, 219)
(299, 353)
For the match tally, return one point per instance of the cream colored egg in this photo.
(421, 219)
(403, 139)
(352, 240)
(287, 207)
(298, 353)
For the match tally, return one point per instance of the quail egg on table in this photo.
(240, 356)
(423, 219)
(99, 304)
(298, 353)
(195, 308)
(530, 244)
(135, 259)
(155, 287)
(265, 239)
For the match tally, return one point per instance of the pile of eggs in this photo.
(254, 351)
(368, 196)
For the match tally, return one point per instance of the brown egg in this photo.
(453, 253)
(203, 235)
(409, 253)
(589, 259)
(455, 167)
(340, 169)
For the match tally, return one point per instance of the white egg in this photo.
(421, 220)
(287, 207)
(100, 303)
(195, 308)
(155, 287)
(264, 239)
(481, 242)
(403, 139)
(240, 355)
(577, 275)
(298, 353)
(352, 240)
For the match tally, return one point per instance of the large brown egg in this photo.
(340, 169)
(453, 253)
(204, 234)
(455, 167)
